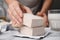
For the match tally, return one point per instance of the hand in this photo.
(16, 13)
(44, 16)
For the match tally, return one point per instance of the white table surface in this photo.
(8, 35)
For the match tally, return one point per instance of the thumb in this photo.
(40, 14)
(28, 10)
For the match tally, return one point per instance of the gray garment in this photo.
(34, 5)
(30, 3)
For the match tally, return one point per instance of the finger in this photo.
(17, 15)
(12, 17)
(27, 9)
(39, 14)
(46, 19)
(13, 22)
(18, 10)
(14, 13)
(16, 25)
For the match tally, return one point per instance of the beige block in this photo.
(38, 31)
(31, 20)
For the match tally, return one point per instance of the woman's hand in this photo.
(42, 14)
(15, 12)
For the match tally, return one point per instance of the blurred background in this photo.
(56, 4)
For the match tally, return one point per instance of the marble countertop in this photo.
(8, 35)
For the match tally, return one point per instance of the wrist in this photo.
(10, 1)
(43, 11)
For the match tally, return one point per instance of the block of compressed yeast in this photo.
(31, 20)
(36, 31)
